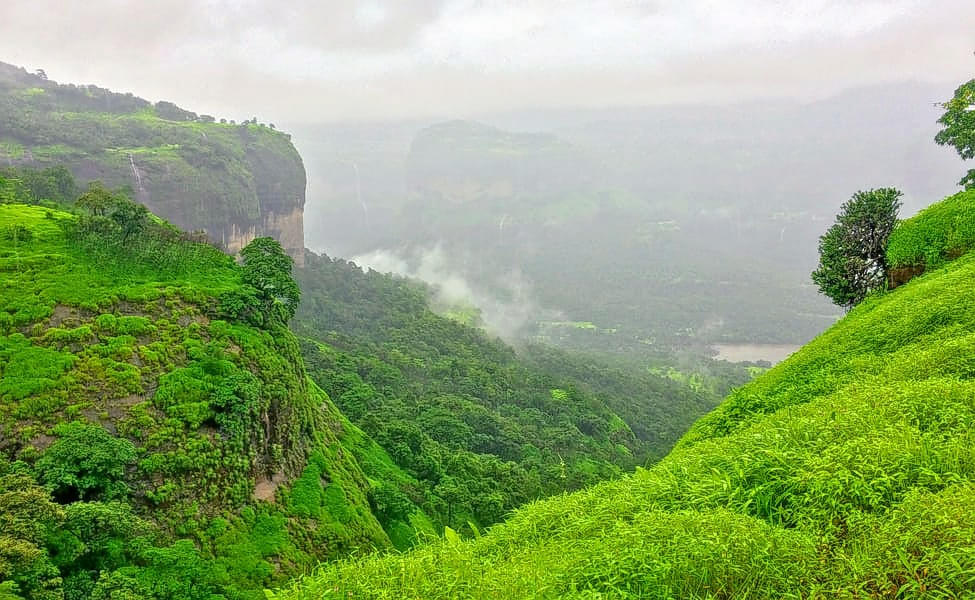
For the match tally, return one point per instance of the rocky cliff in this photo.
(233, 181)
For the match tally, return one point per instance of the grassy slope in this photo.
(142, 352)
(936, 234)
(846, 471)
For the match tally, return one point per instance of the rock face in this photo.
(235, 182)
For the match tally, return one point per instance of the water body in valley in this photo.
(773, 353)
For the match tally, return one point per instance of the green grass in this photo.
(936, 234)
(847, 471)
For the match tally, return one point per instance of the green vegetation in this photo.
(473, 428)
(152, 395)
(846, 471)
(958, 127)
(151, 444)
(940, 232)
(853, 252)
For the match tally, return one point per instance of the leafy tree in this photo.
(85, 463)
(112, 210)
(958, 127)
(852, 253)
(267, 269)
(26, 514)
(97, 200)
(175, 572)
(96, 537)
(132, 218)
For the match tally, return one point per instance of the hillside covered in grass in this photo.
(235, 181)
(159, 437)
(937, 234)
(847, 471)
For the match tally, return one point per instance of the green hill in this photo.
(235, 182)
(151, 445)
(163, 422)
(847, 471)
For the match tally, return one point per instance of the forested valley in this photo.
(715, 349)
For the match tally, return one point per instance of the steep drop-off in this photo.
(234, 181)
(477, 427)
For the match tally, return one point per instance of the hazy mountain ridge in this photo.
(681, 225)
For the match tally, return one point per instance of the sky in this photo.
(326, 61)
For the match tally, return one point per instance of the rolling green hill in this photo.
(152, 446)
(847, 471)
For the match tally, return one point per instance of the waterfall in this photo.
(141, 190)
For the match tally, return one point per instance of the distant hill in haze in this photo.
(673, 226)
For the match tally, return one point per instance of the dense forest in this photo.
(479, 427)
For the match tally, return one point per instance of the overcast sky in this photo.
(325, 60)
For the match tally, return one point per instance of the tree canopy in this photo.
(958, 127)
(267, 269)
(852, 253)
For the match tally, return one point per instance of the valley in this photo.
(710, 348)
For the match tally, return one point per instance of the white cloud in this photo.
(311, 60)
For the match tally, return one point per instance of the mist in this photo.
(377, 59)
(504, 305)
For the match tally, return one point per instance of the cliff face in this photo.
(235, 182)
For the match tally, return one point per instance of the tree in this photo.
(85, 463)
(853, 252)
(267, 269)
(26, 516)
(103, 205)
(97, 200)
(132, 218)
(958, 127)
